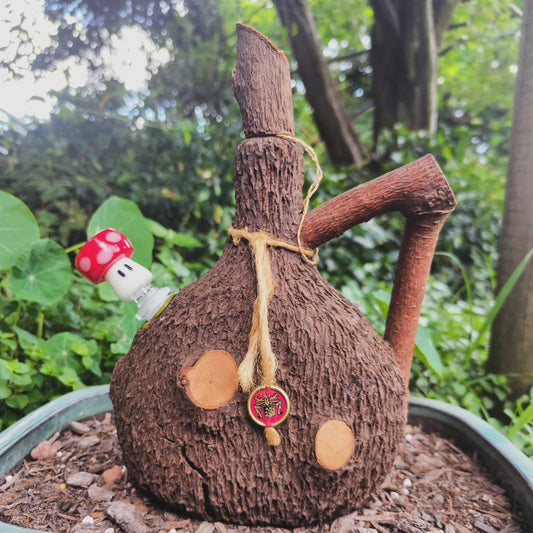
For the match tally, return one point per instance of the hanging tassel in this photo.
(273, 438)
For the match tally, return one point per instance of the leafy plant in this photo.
(58, 331)
(520, 429)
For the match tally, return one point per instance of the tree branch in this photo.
(334, 125)
(421, 193)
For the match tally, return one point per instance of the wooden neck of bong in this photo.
(268, 186)
(269, 169)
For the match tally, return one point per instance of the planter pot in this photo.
(512, 469)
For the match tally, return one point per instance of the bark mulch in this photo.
(75, 483)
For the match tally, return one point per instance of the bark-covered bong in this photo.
(190, 435)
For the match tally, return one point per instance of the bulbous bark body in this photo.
(215, 463)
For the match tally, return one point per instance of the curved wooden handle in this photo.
(421, 193)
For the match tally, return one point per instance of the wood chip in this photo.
(80, 479)
(88, 442)
(78, 427)
(99, 494)
(127, 517)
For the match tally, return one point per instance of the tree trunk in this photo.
(183, 424)
(511, 350)
(324, 97)
(406, 39)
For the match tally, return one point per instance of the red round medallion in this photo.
(268, 405)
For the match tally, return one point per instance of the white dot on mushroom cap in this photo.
(85, 264)
(104, 256)
(113, 236)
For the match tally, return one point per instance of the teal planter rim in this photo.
(512, 469)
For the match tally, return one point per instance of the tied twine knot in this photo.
(259, 338)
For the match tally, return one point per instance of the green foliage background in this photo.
(169, 151)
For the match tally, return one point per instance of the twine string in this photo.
(259, 338)
(312, 189)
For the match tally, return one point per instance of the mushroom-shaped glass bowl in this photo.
(107, 257)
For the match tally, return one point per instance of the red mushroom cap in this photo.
(101, 252)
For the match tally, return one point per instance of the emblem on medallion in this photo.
(268, 405)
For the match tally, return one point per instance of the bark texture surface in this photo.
(406, 39)
(324, 96)
(512, 333)
(215, 463)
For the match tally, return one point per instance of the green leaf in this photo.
(5, 392)
(22, 381)
(85, 348)
(17, 401)
(42, 274)
(69, 378)
(126, 329)
(18, 229)
(185, 241)
(172, 237)
(62, 344)
(382, 299)
(498, 303)
(426, 352)
(126, 217)
(28, 342)
(19, 367)
(6, 374)
(523, 420)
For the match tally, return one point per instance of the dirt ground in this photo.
(75, 483)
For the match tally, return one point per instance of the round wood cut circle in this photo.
(212, 381)
(334, 444)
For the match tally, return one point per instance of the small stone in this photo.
(99, 494)
(88, 528)
(88, 520)
(127, 517)
(45, 449)
(79, 428)
(80, 479)
(205, 527)
(42, 451)
(88, 442)
(220, 527)
(112, 474)
(8, 481)
(344, 524)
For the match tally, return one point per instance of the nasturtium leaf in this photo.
(62, 344)
(60, 359)
(126, 217)
(18, 229)
(42, 274)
